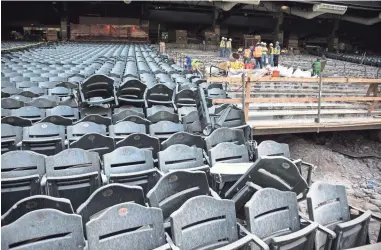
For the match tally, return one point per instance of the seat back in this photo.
(184, 138)
(164, 129)
(32, 203)
(156, 108)
(64, 111)
(271, 213)
(224, 135)
(10, 136)
(204, 222)
(73, 174)
(228, 152)
(43, 102)
(11, 103)
(57, 120)
(120, 116)
(44, 229)
(131, 88)
(16, 121)
(97, 86)
(271, 172)
(140, 140)
(127, 159)
(29, 112)
(44, 138)
(163, 116)
(21, 172)
(328, 205)
(98, 119)
(143, 224)
(96, 110)
(235, 117)
(108, 196)
(192, 123)
(95, 142)
(125, 128)
(174, 188)
(79, 129)
(159, 94)
(185, 97)
(272, 148)
(180, 156)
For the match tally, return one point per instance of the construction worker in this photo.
(195, 64)
(222, 47)
(316, 67)
(276, 54)
(228, 50)
(258, 55)
(271, 55)
(247, 54)
(264, 54)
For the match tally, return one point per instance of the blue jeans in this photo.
(264, 58)
(228, 52)
(222, 52)
(271, 59)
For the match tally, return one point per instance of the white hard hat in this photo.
(222, 37)
(271, 44)
(277, 41)
(230, 39)
(264, 43)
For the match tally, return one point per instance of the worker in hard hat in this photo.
(258, 55)
(222, 47)
(316, 67)
(271, 54)
(188, 63)
(235, 66)
(247, 54)
(276, 54)
(228, 50)
(264, 54)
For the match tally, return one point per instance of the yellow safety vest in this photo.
(258, 51)
(222, 44)
(276, 50)
(264, 51)
(271, 50)
(236, 65)
(228, 44)
(247, 53)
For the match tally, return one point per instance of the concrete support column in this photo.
(278, 32)
(64, 19)
(332, 39)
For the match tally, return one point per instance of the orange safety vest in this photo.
(247, 53)
(258, 51)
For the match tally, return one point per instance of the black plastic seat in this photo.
(31, 113)
(16, 121)
(73, 174)
(122, 129)
(131, 91)
(64, 111)
(11, 103)
(159, 95)
(142, 141)
(21, 173)
(123, 114)
(44, 102)
(101, 120)
(185, 138)
(131, 166)
(44, 138)
(94, 142)
(97, 89)
(77, 130)
(164, 129)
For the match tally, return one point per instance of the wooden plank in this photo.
(317, 125)
(375, 93)
(247, 97)
(298, 100)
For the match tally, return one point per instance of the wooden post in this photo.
(247, 97)
(375, 93)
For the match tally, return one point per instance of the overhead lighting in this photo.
(284, 7)
(330, 8)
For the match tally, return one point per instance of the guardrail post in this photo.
(247, 97)
(317, 120)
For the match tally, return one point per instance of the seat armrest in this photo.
(308, 165)
(104, 178)
(298, 234)
(206, 157)
(214, 194)
(170, 242)
(361, 211)
(331, 234)
(164, 247)
(358, 220)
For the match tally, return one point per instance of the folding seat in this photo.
(59, 91)
(123, 114)
(181, 157)
(9, 91)
(16, 121)
(132, 91)
(183, 111)
(185, 98)
(225, 135)
(21, 172)
(191, 123)
(96, 110)
(44, 102)
(33, 92)
(77, 130)
(156, 108)
(44, 229)
(32, 203)
(101, 120)
(131, 166)
(94, 142)
(10, 137)
(77, 78)
(164, 129)
(143, 224)
(229, 152)
(185, 138)
(65, 112)
(123, 129)
(174, 188)
(25, 84)
(204, 222)
(7, 84)
(230, 117)
(272, 215)
(129, 107)
(11, 103)
(159, 95)
(213, 92)
(44, 138)
(67, 85)
(108, 196)
(267, 172)
(328, 206)
(97, 89)
(5, 112)
(73, 174)
(163, 115)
